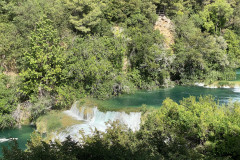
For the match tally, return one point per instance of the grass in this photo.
(55, 120)
(103, 107)
(91, 102)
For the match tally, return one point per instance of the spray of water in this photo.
(95, 119)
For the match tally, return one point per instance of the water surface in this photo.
(150, 98)
(22, 134)
(155, 98)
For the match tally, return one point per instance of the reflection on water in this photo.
(155, 98)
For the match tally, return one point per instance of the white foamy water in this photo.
(95, 119)
(237, 90)
(199, 84)
(5, 139)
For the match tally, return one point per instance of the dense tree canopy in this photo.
(8, 102)
(206, 41)
(43, 63)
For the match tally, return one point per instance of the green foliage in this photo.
(233, 42)
(131, 12)
(202, 126)
(197, 128)
(40, 107)
(236, 18)
(18, 20)
(226, 75)
(215, 15)
(67, 49)
(94, 64)
(9, 44)
(66, 95)
(43, 64)
(86, 15)
(28, 12)
(197, 53)
(148, 55)
(224, 83)
(8, 102)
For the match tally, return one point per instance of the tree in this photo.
(85, 15)
(132, 12)
(236, 18)
(43, 64)
(94, 63)
(216, 15)
(197, 53)
(233, 48)
(8, 102)
(9, 45)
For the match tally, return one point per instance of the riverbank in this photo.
(220, 84)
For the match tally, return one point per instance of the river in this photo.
(155, 98)
(150, 98)
(20, 134)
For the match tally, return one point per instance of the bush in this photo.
(49, 122)
(8, 102)
(223, 83)
(41, 106)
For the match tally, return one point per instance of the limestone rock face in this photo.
(22, 114)
(166, 28)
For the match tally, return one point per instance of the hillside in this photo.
(165, 26)
(56, 52)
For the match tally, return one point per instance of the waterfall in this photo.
(83, 113)
(95, 119)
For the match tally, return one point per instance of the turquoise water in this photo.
(237, 75)
(155, 98)
(23, 134)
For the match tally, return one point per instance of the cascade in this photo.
(95, 119)
(84, 113)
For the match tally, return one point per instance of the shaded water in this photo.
(155, 98)
(20, 134)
